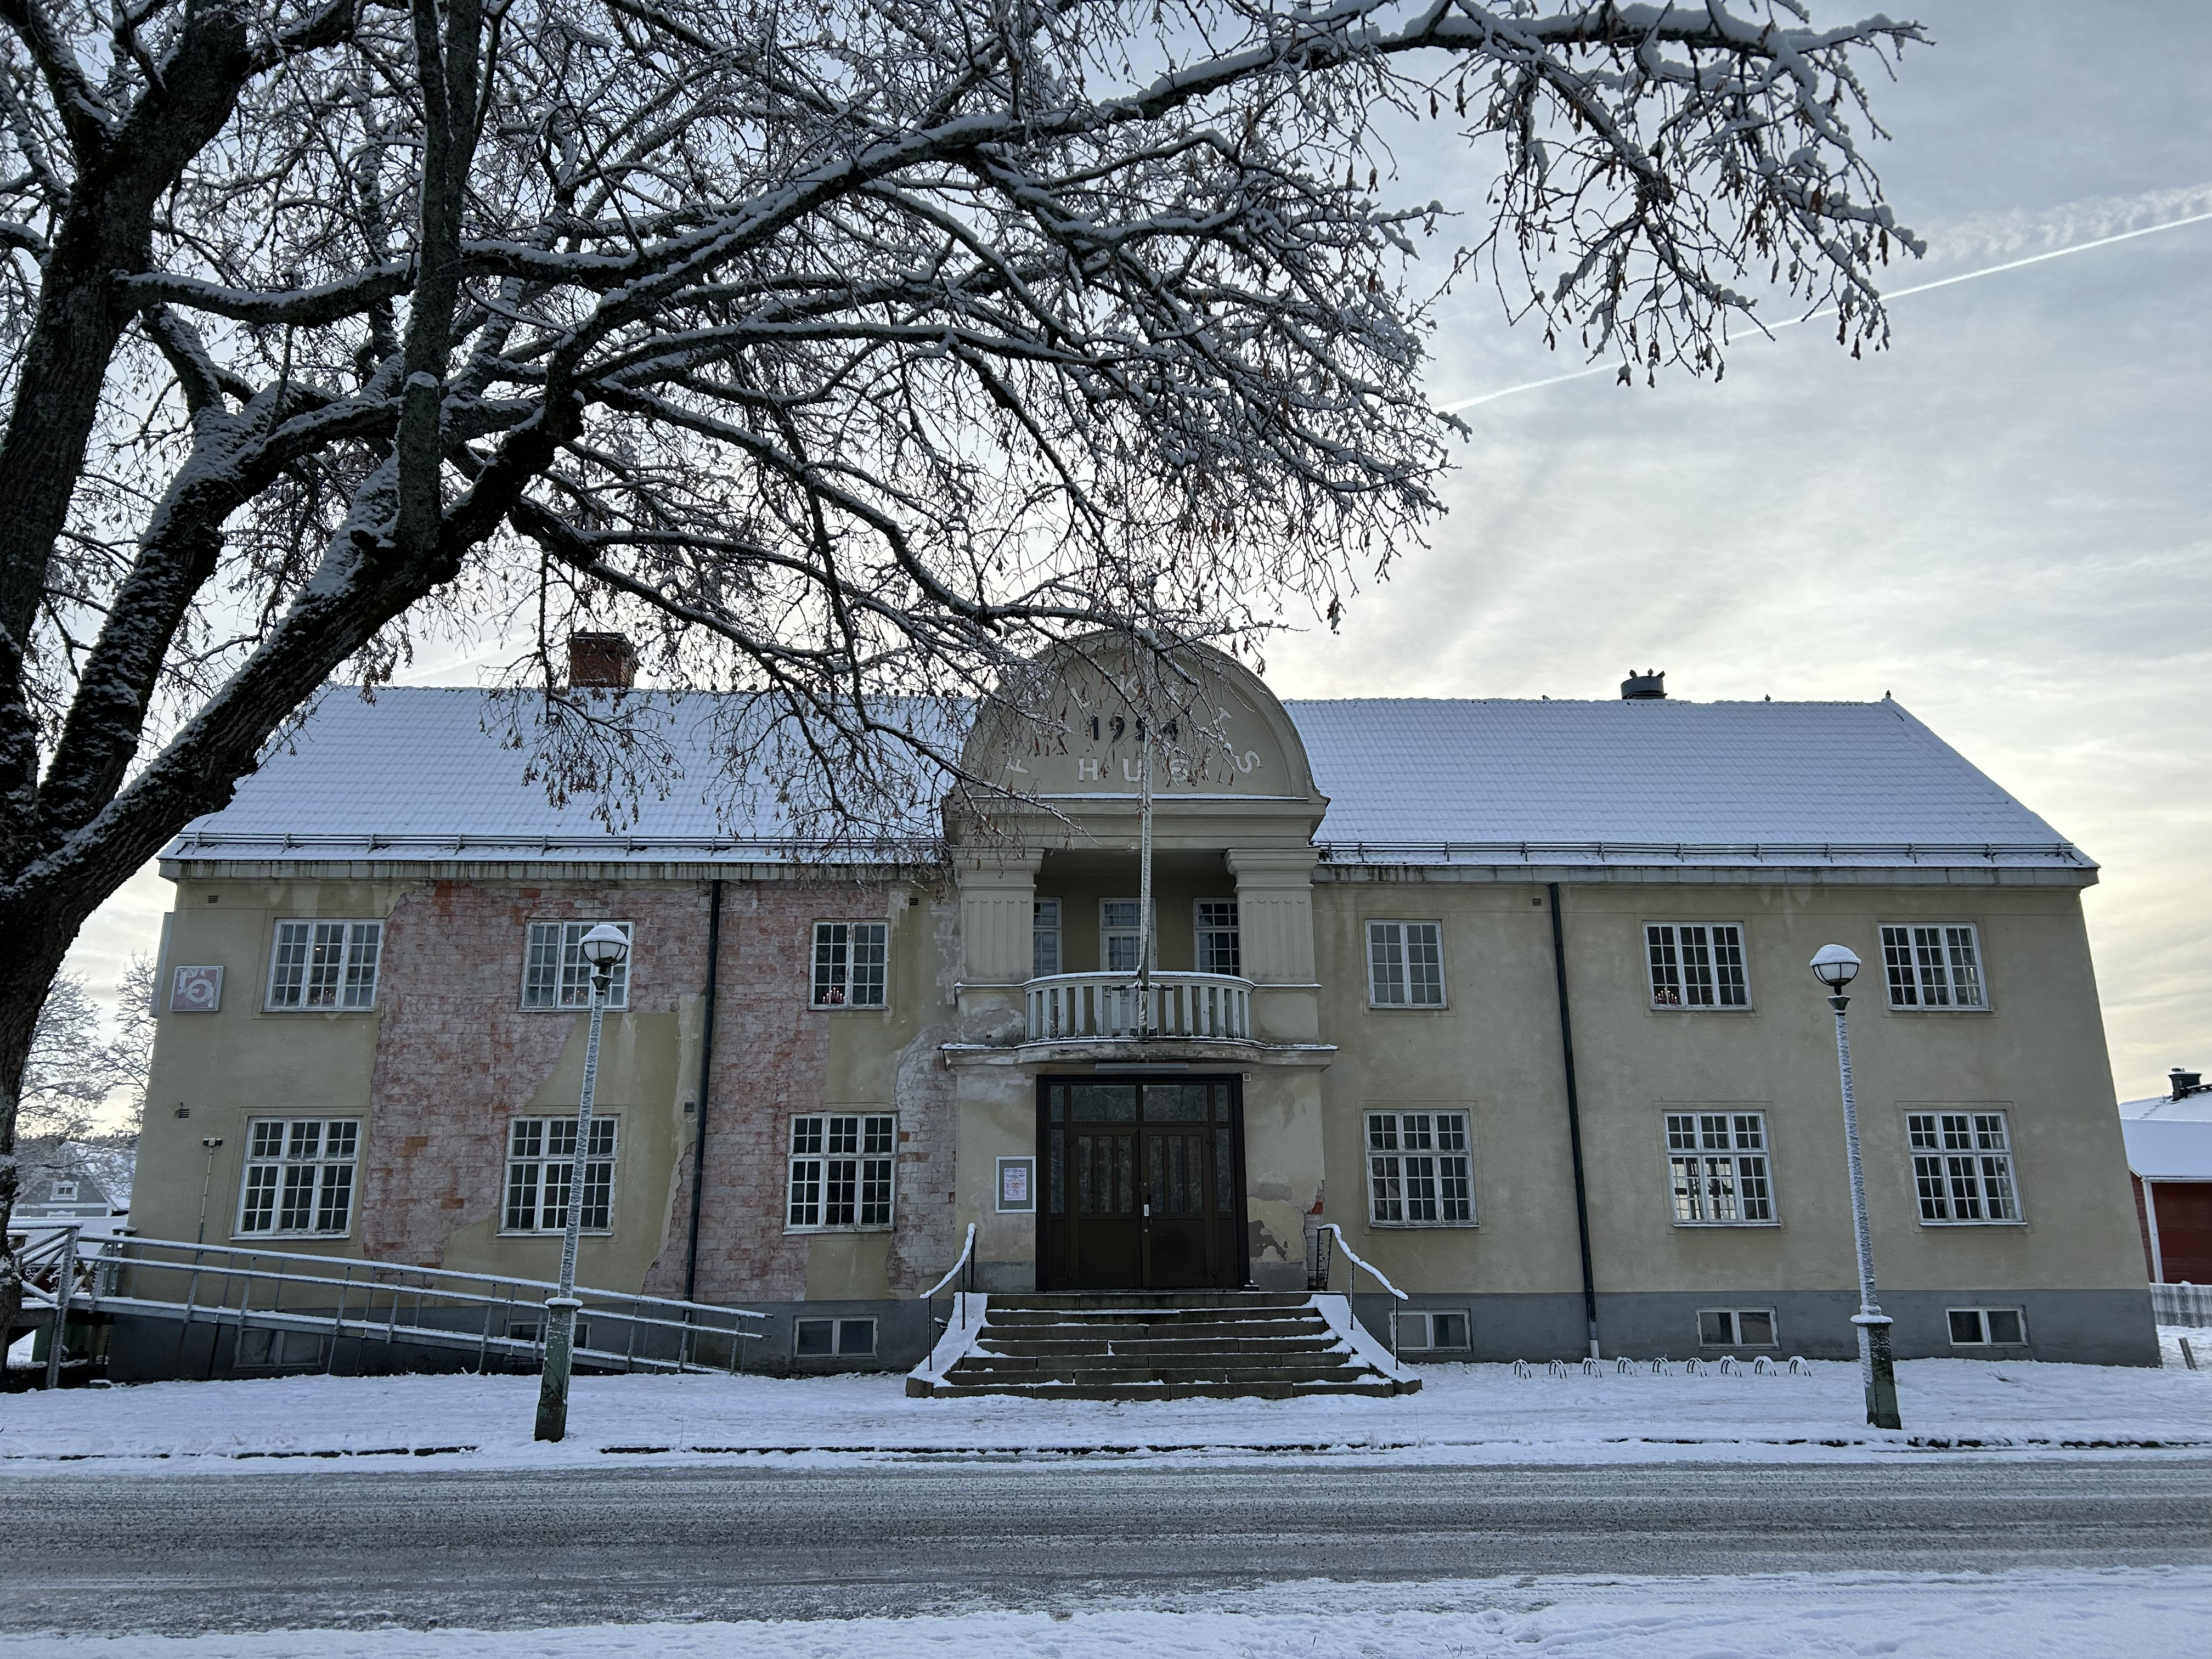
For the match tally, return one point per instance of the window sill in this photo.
(1947, 1225)
(578, 1008)
(251, 1238)
(849, 1007)
(553, 1232)
(1422, 1226)
(371, 1009)
(1409, 1007)
(1892, 1008)
(1699, 1008)
(1724, 1226)
(841, 1227)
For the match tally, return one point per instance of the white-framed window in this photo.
(1120, 935)
(1984, 1327)
(822, 1339)
(555, 974)
(1220, 949)
(62, 1192)
(1962, 1166)
(849, 959)
(541, 1168)
(1406, 964)
(299, 1176)
(1419, 1171)
(1696, 964)
(1431, 1332)
(324, 964)
(1044, 937)
(1934, 966)
(1718, 1169)
(840, 1171)
(1736, 1327)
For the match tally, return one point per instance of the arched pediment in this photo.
(1067, 737)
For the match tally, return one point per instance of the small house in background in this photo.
(2169, 1138)
(67, 1181)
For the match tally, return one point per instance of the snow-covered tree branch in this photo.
(842, 350)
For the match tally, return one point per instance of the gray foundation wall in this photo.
(2091, 1328)
(2096, 1328)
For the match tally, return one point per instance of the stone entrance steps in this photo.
(1127, 1345)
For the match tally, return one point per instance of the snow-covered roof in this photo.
(1658, 782)
(2169, 1149)
(448, 774)
(2190, 1109)
(426, 773)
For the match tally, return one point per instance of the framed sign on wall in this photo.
(1016, 1185)
(196, 991)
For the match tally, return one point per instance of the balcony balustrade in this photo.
(1090, 1007)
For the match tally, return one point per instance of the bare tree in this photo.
(849, 348)
(75, 1067)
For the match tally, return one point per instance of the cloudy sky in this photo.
(2003, 520)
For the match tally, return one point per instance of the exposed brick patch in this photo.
(456, 1055)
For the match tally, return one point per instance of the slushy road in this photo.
(90, 1552)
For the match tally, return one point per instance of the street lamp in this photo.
(1836, 966)
(602, 949)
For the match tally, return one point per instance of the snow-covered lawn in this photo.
(2014, 1615)
(1465, 1414)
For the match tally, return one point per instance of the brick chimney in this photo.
(604, 659)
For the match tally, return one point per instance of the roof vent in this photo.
(1639, 688)
(605, 659)
(2185, 1083)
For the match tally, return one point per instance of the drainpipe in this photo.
(706, 1077)
(1574, 1120)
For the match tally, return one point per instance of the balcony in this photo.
(1093, 1008)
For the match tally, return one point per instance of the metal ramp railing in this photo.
(280, 1291)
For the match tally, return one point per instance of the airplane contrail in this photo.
(1830, 311)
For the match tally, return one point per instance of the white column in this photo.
(998, 909)
(1274, 924)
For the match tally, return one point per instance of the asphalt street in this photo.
(90, 1551)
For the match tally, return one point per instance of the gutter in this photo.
(1574, 1120)
(705, 1078)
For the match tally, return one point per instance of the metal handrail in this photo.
(1352, 1288)
(444, 1288)
(967, 1258)
(967, 1261)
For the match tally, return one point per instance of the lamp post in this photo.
(604, 949)
(1836, 966)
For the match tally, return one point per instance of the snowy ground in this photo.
(2018, 1615)
(1465, 1414)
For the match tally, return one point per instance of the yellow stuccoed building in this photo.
(1411, 961)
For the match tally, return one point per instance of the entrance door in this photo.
(1143, 1184)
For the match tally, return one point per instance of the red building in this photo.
(2169, 1139)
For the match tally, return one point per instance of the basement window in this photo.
(1984, 1327)
(827, 1338)
(1432, 1333)
(1736, 1327)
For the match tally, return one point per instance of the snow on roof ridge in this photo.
(1507, 781)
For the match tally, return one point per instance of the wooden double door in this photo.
(1144, 1184)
